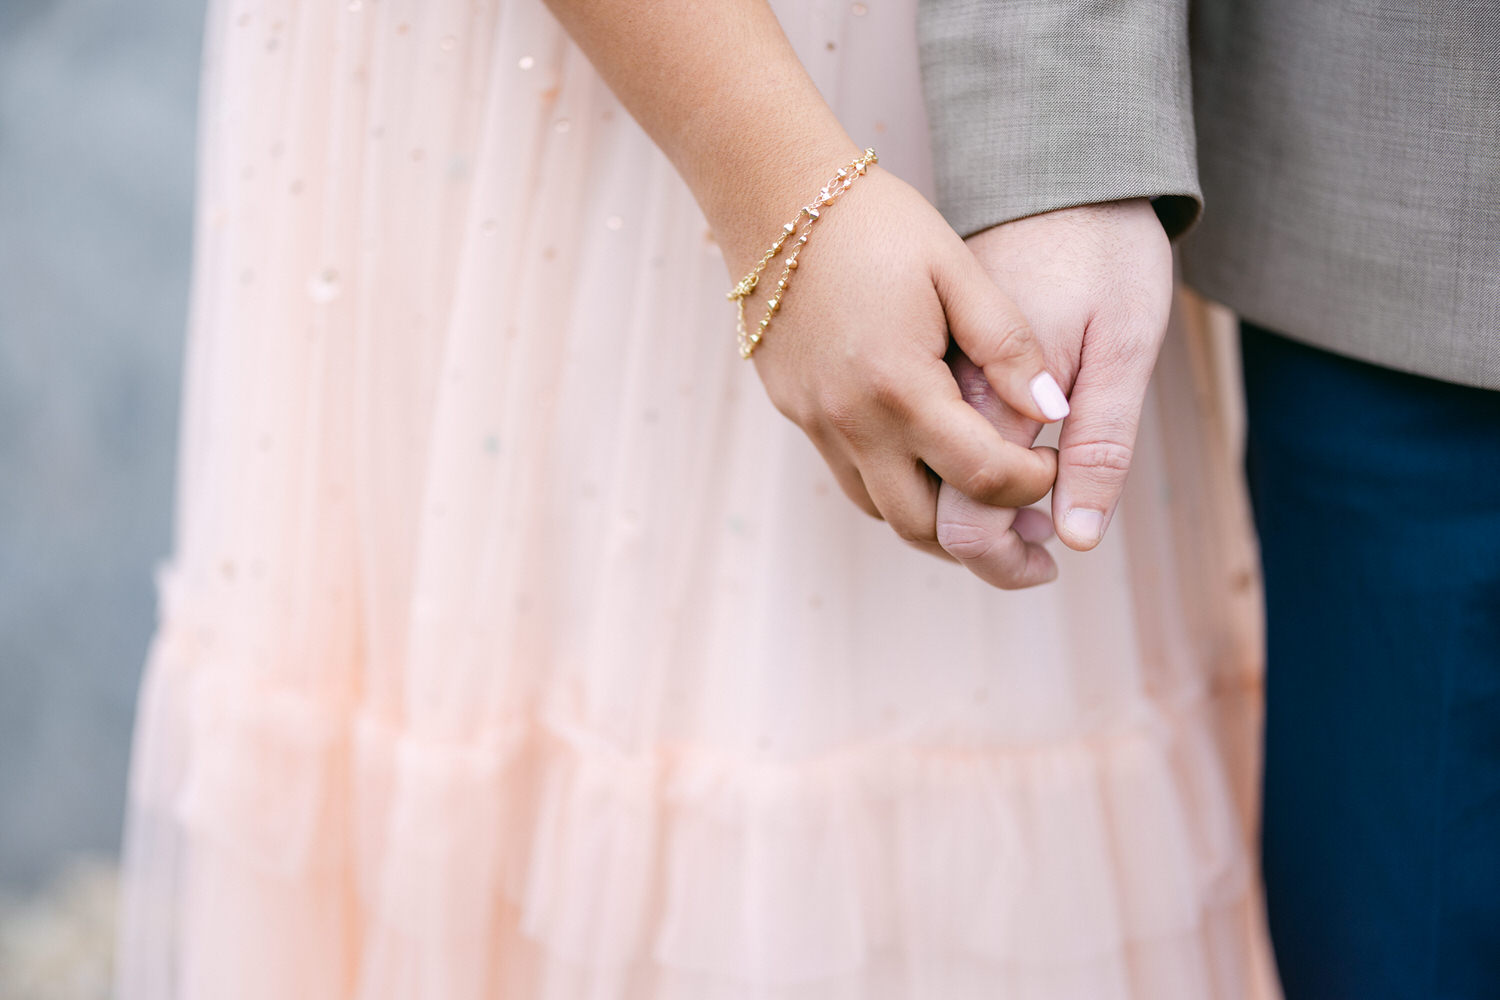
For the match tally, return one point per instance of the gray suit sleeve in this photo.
(1043, 104)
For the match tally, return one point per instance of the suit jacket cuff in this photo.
(1039, 104)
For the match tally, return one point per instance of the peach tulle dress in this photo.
(513, 646)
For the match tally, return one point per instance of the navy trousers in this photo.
(1377, 500)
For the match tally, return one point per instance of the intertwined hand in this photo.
(1095, 283)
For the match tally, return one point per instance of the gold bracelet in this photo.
(836, 186)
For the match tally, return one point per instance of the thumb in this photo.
(1097, 443)
(990, 329)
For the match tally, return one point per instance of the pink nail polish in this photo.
(1049, 396)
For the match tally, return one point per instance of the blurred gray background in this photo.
(97, 115)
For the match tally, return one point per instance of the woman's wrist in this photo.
(790, 241)
(760, 189)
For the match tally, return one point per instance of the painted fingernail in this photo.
(1049, 397)
(1084, 525)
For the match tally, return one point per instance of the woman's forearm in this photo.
(717, 86)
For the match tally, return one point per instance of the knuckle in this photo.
(1145, 311)
(791, 408)
(887, 391)
(838, 412)
(793, 403)
(1011, 339)
(914, 531)
(1128, 354)
(965, 541)
(1109, 456)
(861, 499)
(985, 481)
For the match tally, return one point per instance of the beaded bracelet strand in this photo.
(830, 193)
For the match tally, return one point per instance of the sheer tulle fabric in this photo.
(512, 646)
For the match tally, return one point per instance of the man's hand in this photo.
(1095, 283)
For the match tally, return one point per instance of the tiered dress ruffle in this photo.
(513, 646)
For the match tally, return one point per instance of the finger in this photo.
(853, 484)
(991, 330)
(997, 544)
(846, 473)
(977, 392)
(906, 495)
(1034, 525)
(1098, 439)
(962, 447)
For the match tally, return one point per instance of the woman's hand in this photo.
(855, 355)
